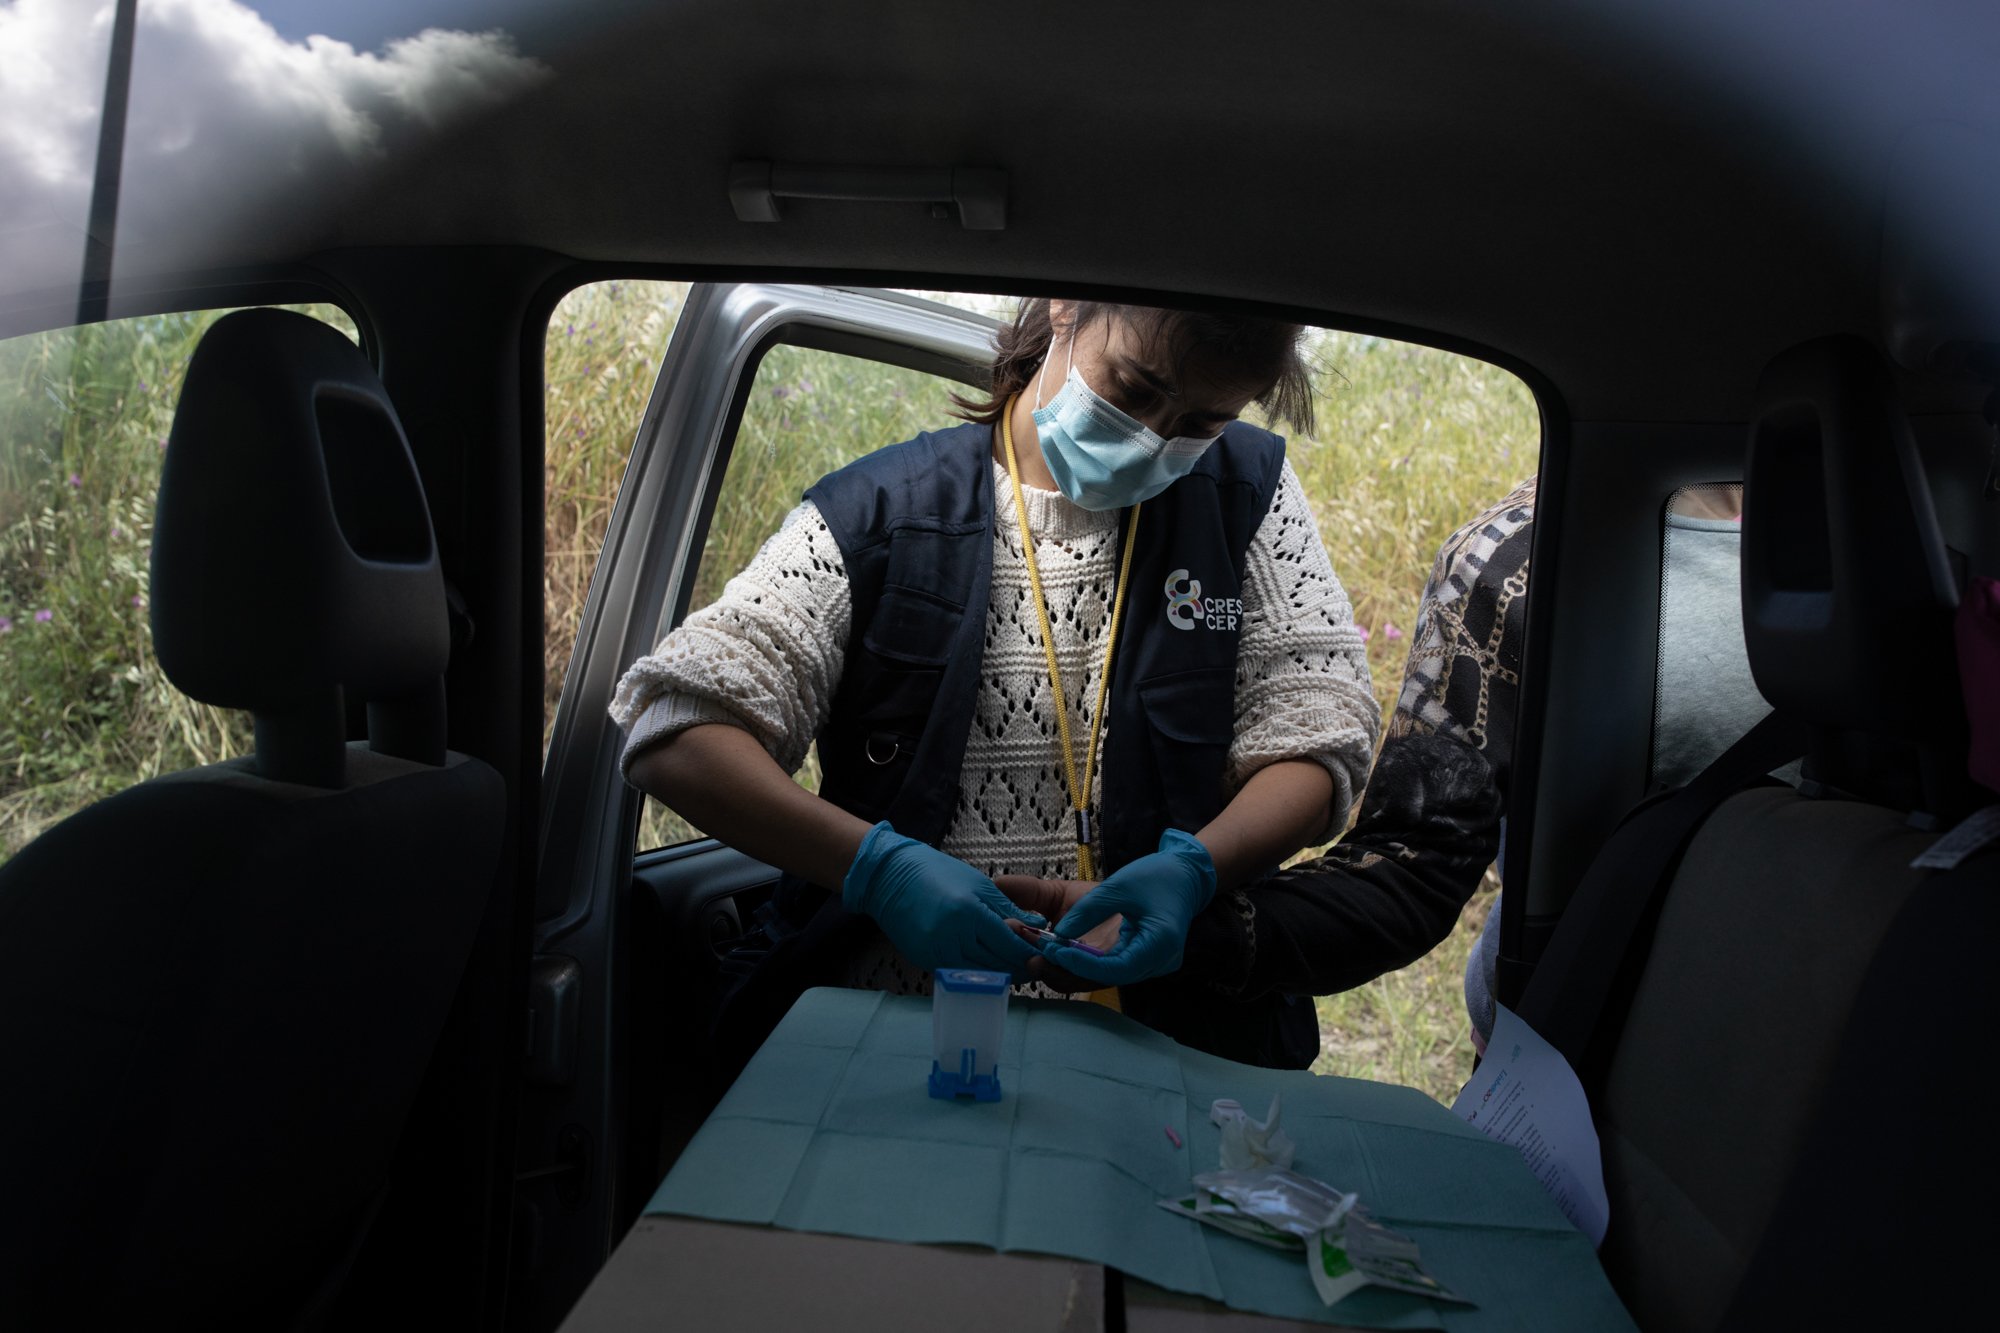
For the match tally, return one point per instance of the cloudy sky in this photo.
(369, 25)
(228, 105)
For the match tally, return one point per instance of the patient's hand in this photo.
(1052, 898)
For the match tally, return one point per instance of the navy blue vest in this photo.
(914, 523)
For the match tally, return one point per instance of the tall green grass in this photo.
(604, 345)
(1410, 443)
(84, 416)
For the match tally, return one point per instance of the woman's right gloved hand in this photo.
(937, 910)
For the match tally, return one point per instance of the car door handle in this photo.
(979, 193)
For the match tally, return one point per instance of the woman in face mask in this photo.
(1090, 635)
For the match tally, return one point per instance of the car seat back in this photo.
(1779, 903)
(1848, 591)
(220, 989)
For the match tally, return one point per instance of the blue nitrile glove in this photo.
(937, 910)
(1158, 896)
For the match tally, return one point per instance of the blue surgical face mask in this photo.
(1100, 457)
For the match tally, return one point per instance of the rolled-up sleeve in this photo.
(1302, 682)
(765, 656)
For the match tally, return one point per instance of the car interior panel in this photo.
(396, 1019)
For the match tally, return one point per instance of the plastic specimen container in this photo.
(968, 1018)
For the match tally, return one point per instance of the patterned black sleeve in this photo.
(1393, 887)
(1379, 899)
(1463, 677)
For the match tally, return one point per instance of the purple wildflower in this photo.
(138, 599)
(75, 481)
(6, 625)
(44, 616)
(142, 386)
(570, 332)
(781, 392)
(1364, 632)
(117, 534)
(1389, 630)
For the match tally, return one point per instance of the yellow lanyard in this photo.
(1079, 793)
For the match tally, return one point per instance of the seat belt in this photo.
(1566, 997)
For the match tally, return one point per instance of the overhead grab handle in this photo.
(979, 193)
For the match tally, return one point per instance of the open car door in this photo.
(762, 390)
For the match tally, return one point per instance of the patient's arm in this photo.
(1379, 899)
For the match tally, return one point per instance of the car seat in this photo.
(220, 989)
(1772, 926)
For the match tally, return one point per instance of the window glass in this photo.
(84, 416)
(1704, 698)
(808, 413)
(1411, 444)
(604, 346)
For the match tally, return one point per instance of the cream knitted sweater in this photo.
(767, 656)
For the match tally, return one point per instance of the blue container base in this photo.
(951, 1083)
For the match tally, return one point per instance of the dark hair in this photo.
(1246, 349)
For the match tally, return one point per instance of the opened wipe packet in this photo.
(1361, 1252)
(1345, 1249)
(1281, 1197)
(1227, 1217)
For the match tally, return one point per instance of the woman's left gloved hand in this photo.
(1158, 895)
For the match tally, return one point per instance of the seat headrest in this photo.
(292, 547)
(1848, 591)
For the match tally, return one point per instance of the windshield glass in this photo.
(233, 109)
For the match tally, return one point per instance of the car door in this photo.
(762, 389)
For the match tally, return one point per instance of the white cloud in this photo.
(51, 81)
(224, 113)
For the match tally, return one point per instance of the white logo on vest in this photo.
(1187, 609)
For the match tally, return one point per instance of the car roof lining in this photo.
(1577, 193)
